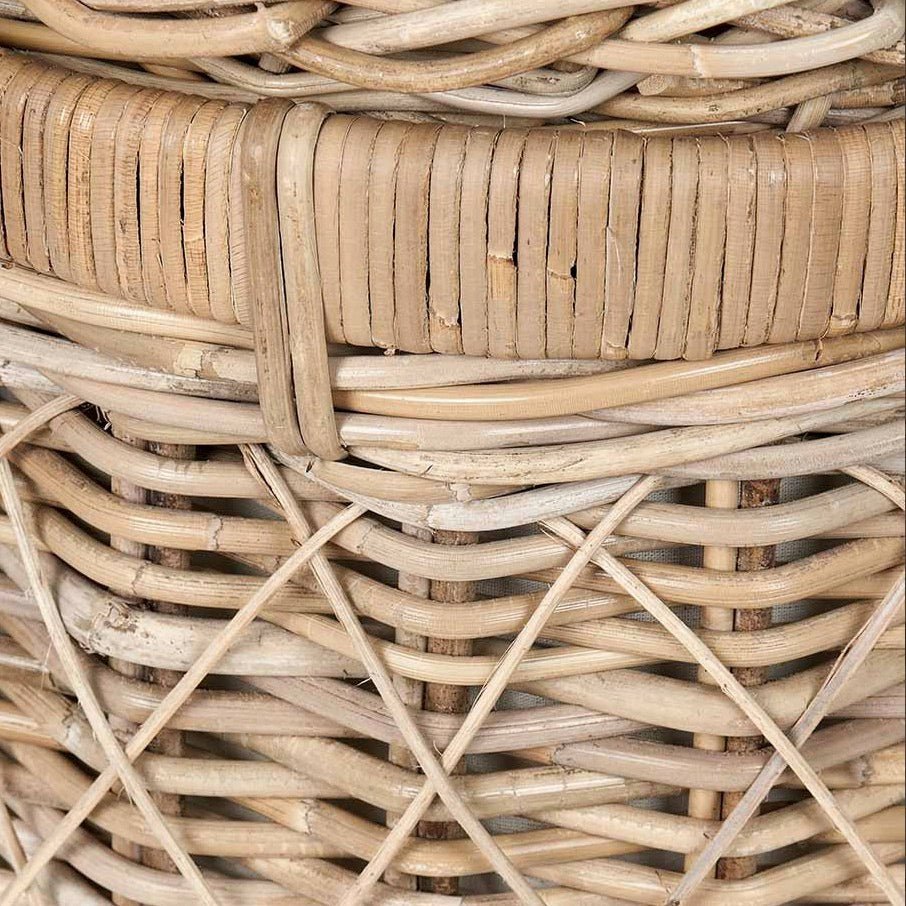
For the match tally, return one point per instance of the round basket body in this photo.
(439, 508)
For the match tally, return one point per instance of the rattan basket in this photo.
(452, 452)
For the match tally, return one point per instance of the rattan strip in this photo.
(445, 233)
(356, 48)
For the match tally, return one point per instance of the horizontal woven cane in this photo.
(452, 453)
(580, 761)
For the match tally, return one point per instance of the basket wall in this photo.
(633, 509)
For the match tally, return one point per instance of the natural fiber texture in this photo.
(592, 593)
(540, 243)
(577, 759)
(535, 60)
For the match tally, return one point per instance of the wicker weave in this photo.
(589, 594)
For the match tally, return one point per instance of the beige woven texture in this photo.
(591, 592)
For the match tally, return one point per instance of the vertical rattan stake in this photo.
(411, 692)
(169, 741)
(135, 494)
(448, 699)
(748, 559)
(720, 495)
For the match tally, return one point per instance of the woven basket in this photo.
(589, 590)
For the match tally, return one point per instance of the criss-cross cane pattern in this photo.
(786, 750)
(120, 760)
(498, 617)
(281, 696)
(850, 660)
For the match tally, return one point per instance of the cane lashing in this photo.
(568, 243)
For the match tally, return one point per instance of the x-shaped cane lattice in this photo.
(43, 596)
(120, 765)
(261, 465)
(438, 780)
(847, 664)
(588, 550)
(488, 698)
(786, 749)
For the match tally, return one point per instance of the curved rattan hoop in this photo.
(661, 247)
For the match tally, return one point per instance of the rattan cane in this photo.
(451, 452)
